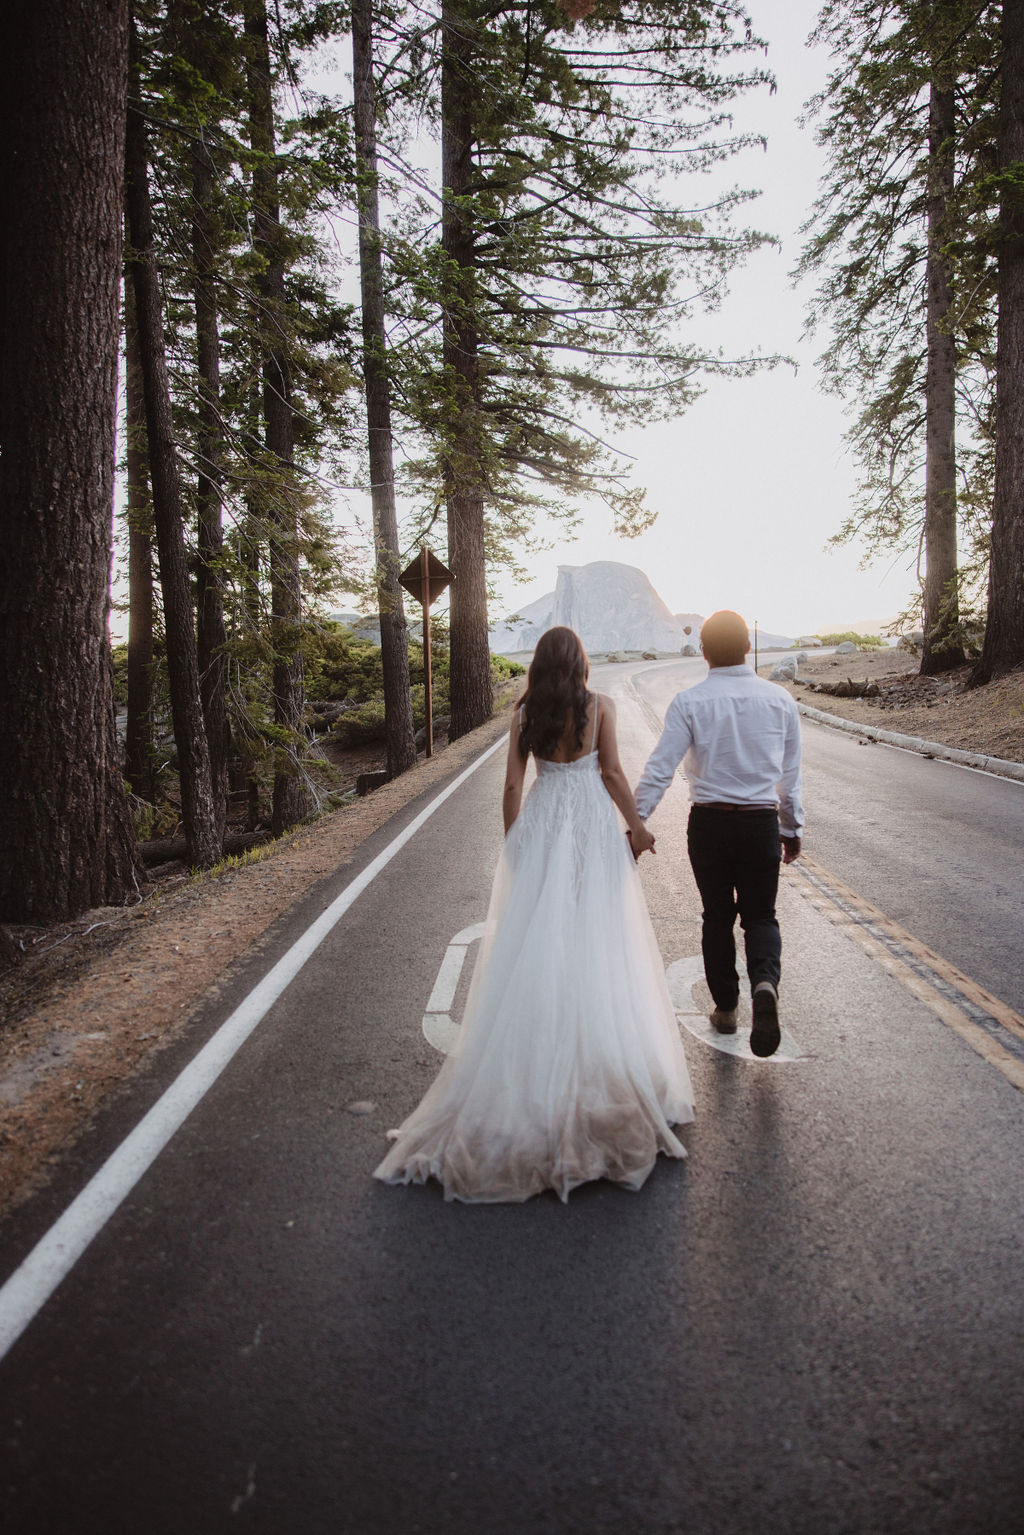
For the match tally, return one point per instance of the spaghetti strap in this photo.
(593, 739)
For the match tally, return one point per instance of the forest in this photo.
(257, 253)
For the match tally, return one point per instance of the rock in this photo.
(613, 655)
(847, 648)
(785, 671)
(365, 626)
(691, 623)
(801, 658)
(911, 643)
(650, 655)
(688, 650)
(611, 606)
(367, 782)
(440, 727)
(809, 642)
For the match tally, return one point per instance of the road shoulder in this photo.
(78, 1039)
(935, 716)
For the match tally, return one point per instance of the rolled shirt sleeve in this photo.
(675, 741)
(791, 810)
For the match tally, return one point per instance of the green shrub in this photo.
(502, 669)
(338, 665)
(864, 641)
(361, 726)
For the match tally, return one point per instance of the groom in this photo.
(740, 736)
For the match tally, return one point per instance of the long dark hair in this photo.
(555, 687)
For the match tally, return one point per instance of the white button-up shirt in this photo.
(740, 737)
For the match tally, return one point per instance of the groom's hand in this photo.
(641, 842)
(790, 849)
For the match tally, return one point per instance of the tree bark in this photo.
(198, 812)
(65, 836)
(470, 659)
(941, 606)
(211, 634)
(1004, 629)
(394, 639)
(290, 799)
(139, 763)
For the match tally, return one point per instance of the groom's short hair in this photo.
(725, 638)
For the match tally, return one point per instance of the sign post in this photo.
(425, 578)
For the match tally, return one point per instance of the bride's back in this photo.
(566, 750)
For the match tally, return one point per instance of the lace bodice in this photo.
(580, 764)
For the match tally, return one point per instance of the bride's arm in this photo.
(615, 780)
(515, 773)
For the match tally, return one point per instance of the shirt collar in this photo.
(731, 671)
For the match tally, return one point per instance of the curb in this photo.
(997, 765)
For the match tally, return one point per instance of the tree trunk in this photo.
(65, 836)
(1004, 629)
(470, 659)
(290, 799)
(941, 606)
(138, 753)
(394, 640)
(211, 635)
(198, 812)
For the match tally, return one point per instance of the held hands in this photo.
(790, 849)
(641, 841)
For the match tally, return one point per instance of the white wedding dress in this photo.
(569, 1064)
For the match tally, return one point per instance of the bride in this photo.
(569, 1064)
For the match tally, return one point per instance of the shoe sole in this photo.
(765, 1035)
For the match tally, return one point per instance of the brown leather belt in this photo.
(725, 805)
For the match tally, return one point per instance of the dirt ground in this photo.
(88, 1002)
(988, 719)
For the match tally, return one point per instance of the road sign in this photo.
(425, 578)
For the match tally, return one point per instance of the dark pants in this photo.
(735, 857)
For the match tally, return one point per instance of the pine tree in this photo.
(269, 244)
(401, 744)
(906, 286)
(65, 838)
(1004, 629)
(139, 743)
(199, 812)
(559, 273)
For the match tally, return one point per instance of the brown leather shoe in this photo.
(723, 1020)
(765, 1034)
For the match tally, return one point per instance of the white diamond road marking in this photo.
(439, 1026)
(442, 1031)
(682, 977)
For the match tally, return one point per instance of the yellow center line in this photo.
(941, 1005)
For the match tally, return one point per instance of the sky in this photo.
(751, 482)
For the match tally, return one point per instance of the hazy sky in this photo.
(751, 482)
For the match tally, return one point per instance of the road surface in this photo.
(812, 1325)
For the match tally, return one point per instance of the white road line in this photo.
(682, 976)
(439, 1028)
(31, 1285)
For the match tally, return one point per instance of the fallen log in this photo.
(166, 849)
(847, 689)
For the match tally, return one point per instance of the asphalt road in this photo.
(812, 1325)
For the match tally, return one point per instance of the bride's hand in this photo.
(641, 841)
